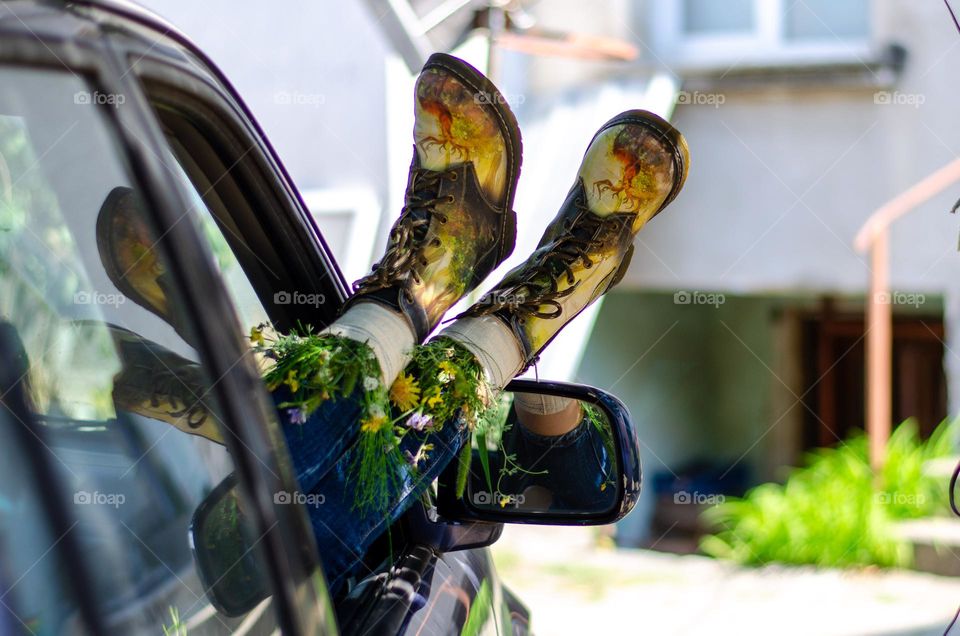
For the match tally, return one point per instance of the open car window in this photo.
(245, 221)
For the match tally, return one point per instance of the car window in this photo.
(239, 203)
(112, 374)
(238, 212)
(250, 308)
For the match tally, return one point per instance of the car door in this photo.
(112, 349)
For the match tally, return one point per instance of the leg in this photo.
(583, 253)
(456, 226)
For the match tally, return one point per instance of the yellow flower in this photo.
(256, 335)
(373, 424)
(291, 381)
(435, 399)
(447, 367)
(405, 392)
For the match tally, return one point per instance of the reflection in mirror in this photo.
(540, 453)
(231, 576)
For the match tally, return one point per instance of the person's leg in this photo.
(633, 168)
(457, 223)
(456, 226)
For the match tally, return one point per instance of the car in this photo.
(114, 520)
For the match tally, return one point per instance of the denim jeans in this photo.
(576, 468)
(324, 449)
(317, 444)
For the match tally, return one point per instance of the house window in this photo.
(709, 17)
(760, 32)
(833, 355)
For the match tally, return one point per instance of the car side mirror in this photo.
(228, 569)
(580, 465)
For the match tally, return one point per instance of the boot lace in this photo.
(174, 392)
(404, 256)
(537, 292)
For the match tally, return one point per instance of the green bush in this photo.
(833, 512)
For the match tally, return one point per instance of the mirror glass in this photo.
(231, 577)
(539, 453)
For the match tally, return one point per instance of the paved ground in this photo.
(573, 587)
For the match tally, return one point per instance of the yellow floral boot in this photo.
(633, 168)
(457, 223)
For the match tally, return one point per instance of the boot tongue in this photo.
(559, 254)
(424, 190)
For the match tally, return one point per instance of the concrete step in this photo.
(936, 544)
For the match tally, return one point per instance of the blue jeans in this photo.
(324, 449)
(576, 468)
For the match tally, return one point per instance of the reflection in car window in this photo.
(251, 311)
(110, 367)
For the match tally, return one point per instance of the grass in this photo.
(834, 511)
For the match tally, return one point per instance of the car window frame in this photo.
(296, 570)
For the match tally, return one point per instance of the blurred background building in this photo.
(737, 337)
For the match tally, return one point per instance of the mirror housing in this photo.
(626, 474)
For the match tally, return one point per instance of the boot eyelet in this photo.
(451, 198)
(454, 176)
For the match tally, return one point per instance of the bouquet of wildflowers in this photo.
(443, 385)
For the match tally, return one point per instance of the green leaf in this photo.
(463, 469)
(480, 610)
(484, 458)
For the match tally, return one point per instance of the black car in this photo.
(106, 513)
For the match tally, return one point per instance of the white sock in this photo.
(540, 404)
(385, 331)
(492, 342)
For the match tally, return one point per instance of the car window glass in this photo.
(111, 369)
(249, 307)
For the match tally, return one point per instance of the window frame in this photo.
(766, 45)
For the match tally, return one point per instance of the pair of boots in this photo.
(458, 225)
